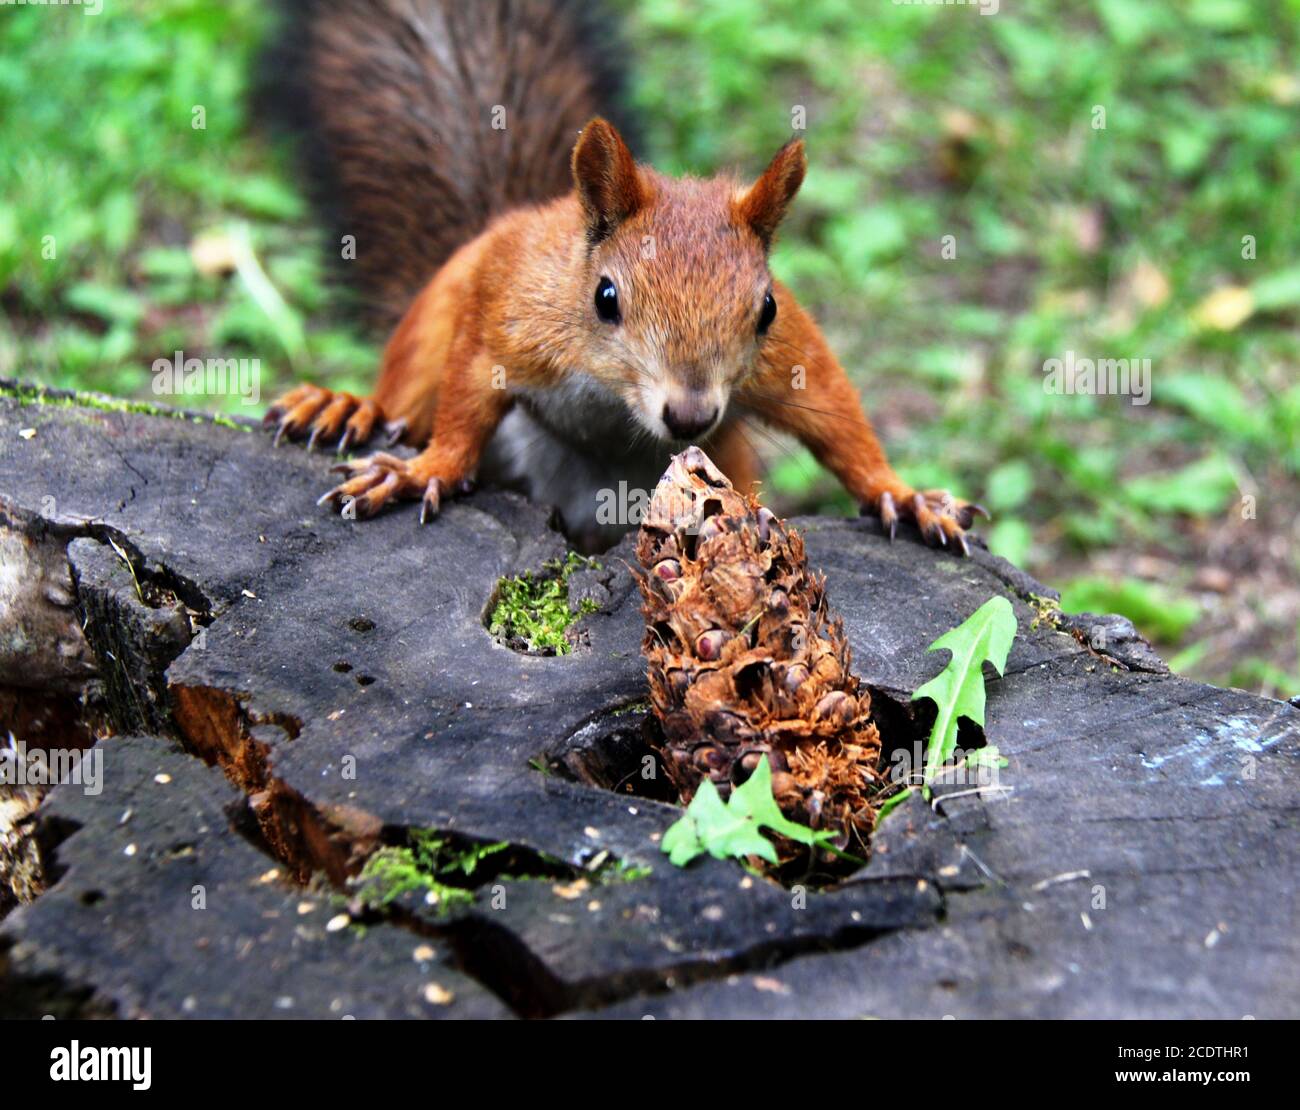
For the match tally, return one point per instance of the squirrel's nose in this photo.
(686, 420)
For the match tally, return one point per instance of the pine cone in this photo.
(744, 657)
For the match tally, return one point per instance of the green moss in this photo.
(642, 706)
(37, 395)
(1047, 611)
(443, 868)
(534, 610)
(427, 862)
(621, 871)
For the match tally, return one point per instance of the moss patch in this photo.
(38, 395)
(1047, 611)
(427, 862)
(532, 611)
(449, 869)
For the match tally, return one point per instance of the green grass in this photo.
(921, 123)
(1161, 613)
(109, 182)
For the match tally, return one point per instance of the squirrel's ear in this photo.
(608, 182)
(763, 204)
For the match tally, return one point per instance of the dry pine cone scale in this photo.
(745, 658)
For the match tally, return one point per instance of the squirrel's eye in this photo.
(768, 314)
(607, 302)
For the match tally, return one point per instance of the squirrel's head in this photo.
(677, 290)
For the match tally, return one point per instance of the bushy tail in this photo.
(419, 120)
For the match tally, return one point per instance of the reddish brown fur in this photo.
(395, 103)
(510, 314)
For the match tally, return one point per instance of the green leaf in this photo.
(1010, 485)
(1128, 23)
(265, 197)
(988, 756)
(1198, 489)
(1012, 539)
(1278, 290)
(1158, 612)
(796, 474)
(864, 237)
(731, 829)
(890, 804)
(958, 690)
(1218, 402)
(116, 306)
(1186, 146)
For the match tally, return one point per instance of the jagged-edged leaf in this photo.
(890, 804)
(731, 829)
(958, 690)
(986, 757)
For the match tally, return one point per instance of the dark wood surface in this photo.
(1140, 857)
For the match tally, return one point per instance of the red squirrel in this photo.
(569, 317)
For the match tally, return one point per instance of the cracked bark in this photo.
(1129, 775)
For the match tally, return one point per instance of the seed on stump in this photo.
(668, 570)
(709, 646)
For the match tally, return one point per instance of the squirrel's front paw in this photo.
(320, 415)
(941, 519)
(382, 478)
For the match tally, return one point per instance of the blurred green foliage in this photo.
(1122, 241)
(1111, 242)
(124, 136)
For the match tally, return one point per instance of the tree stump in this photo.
(275, 694)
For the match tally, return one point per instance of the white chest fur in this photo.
(578, 447)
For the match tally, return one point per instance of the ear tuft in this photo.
(763, 205)
(605, 175)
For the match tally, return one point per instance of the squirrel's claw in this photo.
(888, 514)
(283, 426)
(371, 483)
(431, 502)
(368, 491)
(928, 520)
(320, 416)
(885, 509)
(394, 430)
(377, 496)
(939, 517)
